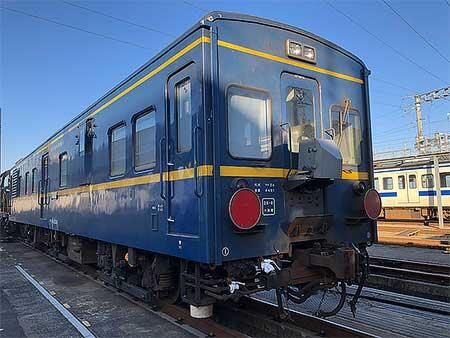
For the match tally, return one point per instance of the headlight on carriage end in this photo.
(245, 209)
(300, 51)
(372, 204)
(294, 49)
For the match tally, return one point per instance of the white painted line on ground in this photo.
(70, 317)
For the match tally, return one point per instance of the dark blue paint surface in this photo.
(189, 218)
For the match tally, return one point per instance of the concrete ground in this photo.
(25, 312)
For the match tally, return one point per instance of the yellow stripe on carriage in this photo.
(294, 63)
(236, 171)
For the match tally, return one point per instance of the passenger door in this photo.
(182, 187)
(413, 188)
(44, 186)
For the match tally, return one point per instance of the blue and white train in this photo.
(408, 187)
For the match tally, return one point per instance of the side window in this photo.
(445, 180)
(412, 182)
(427, 181)
(377, 183)
(33, 180)
(27, 181)
(388, 183)
(249, 124)
(184, 116)
(401, 182)
(145, 141)
(117, 145)
(346, 125)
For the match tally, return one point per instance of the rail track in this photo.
(409, 277)
(251, 317)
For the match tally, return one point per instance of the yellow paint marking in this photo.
(67, 306)
(253, 172)
(279, 173)
(52, 293)
(354, 175)
(288, 61)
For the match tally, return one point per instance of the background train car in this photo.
(236, 160)
(408, 186)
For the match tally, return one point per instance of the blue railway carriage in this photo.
(408, 187)
(236, 160)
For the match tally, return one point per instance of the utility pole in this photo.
(419, 120)
(437, 180)
(423, 144)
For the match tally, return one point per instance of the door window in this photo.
(63, 166)
(184, 116)
(33, 180)
(27, 181)
(412, 182)
(377, 184)
(401, 182)
(249, 124)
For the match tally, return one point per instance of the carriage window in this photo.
(145, 141)
(346, 124)
(412, 182)
(401, 182)
(377, 184)
(33, 180)
(249, 124)
(388, 183)
(184, 116)
(117, 144)
(300, 110)
(427, 181)
(27, 174)
(63, 161)
(445, 180)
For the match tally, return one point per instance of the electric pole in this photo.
(439, 140)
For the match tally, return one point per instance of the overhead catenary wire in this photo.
(118, 19)
(384, 42)
(75, 28)
(415, 31)
(195, 6)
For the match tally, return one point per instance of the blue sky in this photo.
(50, 73)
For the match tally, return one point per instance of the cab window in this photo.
(301, 104)
(249, 124)
(427, 181)
(346, 124)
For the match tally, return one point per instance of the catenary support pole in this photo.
(437, 180)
